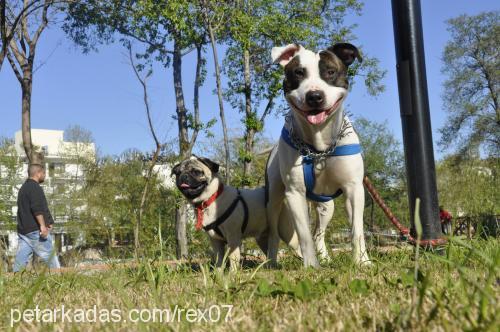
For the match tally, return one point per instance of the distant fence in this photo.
(383, 237)
(470, 226)
(486, 225)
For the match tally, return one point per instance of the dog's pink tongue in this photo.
(184, 185)
(316, 118)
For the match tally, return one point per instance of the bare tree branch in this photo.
(269, 108)
(42, 26)
(143, 81)
(25, 57)
(42, 63)
(14, 68)
(196, 97)
(20, 58)
(24, 24)
(146, 41)
(218, 82)
(8, 29)
(3, 32)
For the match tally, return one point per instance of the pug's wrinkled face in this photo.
(193, 175)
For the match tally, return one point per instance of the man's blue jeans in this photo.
(33, 243)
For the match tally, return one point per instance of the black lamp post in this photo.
(415, 118)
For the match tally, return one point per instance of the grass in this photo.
(455, 291)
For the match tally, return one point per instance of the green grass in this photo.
(458, 290)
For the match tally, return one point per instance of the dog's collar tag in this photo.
(203, 205)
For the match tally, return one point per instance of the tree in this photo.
(254, 27)
(214, 15)
(77, 152)
(214, 148)
(169, 30)
(384, 166)
(22, 50)
(10, 171)
(158, 146)
(382, 153)
(471, 60)
(469, 187)
(114, 188)
(10, 21)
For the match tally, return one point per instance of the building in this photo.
(64, 163)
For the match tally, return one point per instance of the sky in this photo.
(99, 92)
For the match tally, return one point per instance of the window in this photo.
(56, 169)
(51, 170)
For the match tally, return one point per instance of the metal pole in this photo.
(415, 118)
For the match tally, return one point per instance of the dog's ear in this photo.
(213, 166)
(346, 52)
(284, 54)
(176, 170)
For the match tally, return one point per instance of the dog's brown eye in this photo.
(330, 72)
(299, 72)
(197, 172)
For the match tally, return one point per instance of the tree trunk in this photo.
(250, 127)
(221, 101)
(3, 33)
(144, 195)
(136, 238)
(26, 115)
(493, 93)
(249, 142)
(184, 146)
(180, 105)
(180, 231)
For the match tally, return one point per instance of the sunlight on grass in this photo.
(457, 291)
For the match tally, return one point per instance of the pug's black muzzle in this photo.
(190, 186)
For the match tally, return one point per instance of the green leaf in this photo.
(264, 288)
(358, 286)
(303, 290)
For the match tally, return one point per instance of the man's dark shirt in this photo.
(31, 202)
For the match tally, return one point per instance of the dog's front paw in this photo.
(364, 261)
(271, 265)
(311, 262)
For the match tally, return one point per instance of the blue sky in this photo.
(99, 92)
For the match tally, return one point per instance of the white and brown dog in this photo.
(228, 214)
(318, 156)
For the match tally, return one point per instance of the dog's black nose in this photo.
(315, 98)
(183, 178)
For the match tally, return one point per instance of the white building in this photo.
(164, 172)
(64, 168)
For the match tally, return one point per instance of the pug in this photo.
(228, 214)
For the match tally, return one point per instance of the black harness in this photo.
(219, 221)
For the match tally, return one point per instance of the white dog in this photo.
(318, 156)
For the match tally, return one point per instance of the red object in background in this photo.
(444, 216)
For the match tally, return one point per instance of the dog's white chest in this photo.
(333, 173)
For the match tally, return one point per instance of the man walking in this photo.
(34, 222)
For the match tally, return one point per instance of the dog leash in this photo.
(219, 221)
(310, 154)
